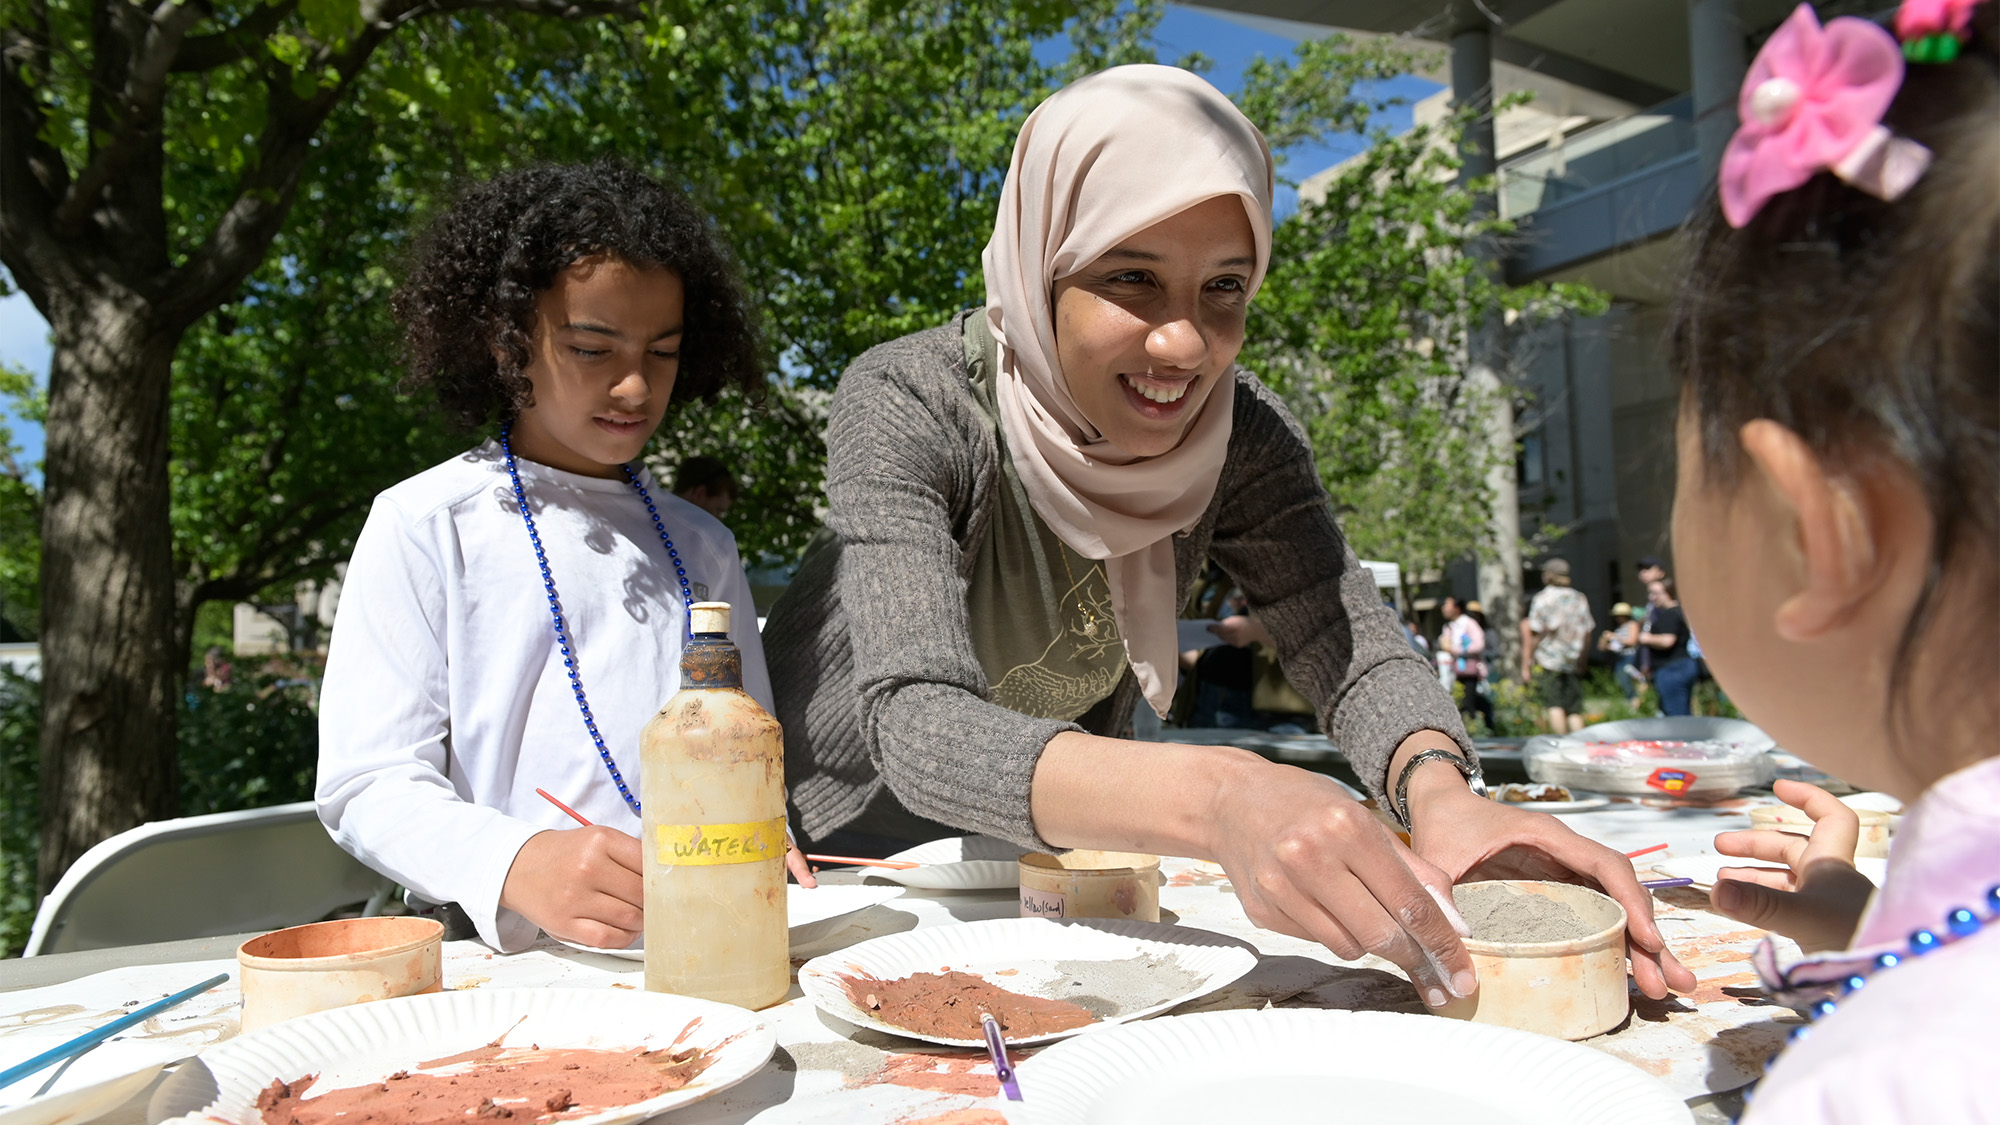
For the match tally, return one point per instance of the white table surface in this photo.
(828, 1071)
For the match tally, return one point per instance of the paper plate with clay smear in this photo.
(1285, 1065)
(369, 1043)
(1056, 978)
(957, 863)
(811, 912)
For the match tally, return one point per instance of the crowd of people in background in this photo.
(1648, 646)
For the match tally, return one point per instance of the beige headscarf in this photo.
(1098, 162)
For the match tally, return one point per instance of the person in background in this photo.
(1621, 641)
(1478, 613)
(1463, 642)
(1552, 638)
(217, 672)
(707, 484)
(1651, 570)
(1666, 635)
(1415, 634)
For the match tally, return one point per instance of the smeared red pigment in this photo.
(948, 1005)
(492, 1084)
(942, 1074)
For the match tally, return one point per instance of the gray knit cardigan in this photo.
(871, 654)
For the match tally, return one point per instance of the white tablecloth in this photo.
(828, 1071)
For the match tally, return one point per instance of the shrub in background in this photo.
(252, 745)
(20, 837)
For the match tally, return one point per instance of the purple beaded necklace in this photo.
(555, 603)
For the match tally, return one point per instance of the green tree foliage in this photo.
(1363, 322)
(251, 745)
(20, 513)
(20, 810)
(852, 153)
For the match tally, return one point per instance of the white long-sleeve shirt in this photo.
(446, 703)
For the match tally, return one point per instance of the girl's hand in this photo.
(1819, 900)
(795, 862)
(1308, 860)
(1470, 837)
(580, 884)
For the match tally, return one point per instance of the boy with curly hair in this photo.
(512, 617)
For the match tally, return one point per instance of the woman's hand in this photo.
(1308, 860)
(580, 884)
(1470, 837)
(1819, 900)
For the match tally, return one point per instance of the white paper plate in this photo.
(958, 863)
(1279, 1066)
(367, 1042)
(73, 1107)
(1040, 957)
(1705, 869)
(810, 912)
(1583, 801)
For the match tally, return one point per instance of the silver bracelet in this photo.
(1474, 777)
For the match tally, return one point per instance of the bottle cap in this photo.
(709, 617)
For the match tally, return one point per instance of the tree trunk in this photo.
(110, 671)
(1500, 562)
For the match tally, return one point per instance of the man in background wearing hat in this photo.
(1553, 636)
(1620, 643)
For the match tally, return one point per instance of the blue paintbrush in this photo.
(90, 1039)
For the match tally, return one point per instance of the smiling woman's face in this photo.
(1144, 332)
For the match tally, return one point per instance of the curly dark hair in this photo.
(476, 272)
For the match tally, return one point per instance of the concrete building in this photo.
(1633, 103)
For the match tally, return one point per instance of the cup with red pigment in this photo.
(325, 965)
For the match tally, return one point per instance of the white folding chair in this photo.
(205, 876)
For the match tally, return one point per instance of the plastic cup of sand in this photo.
(1550, 958)
(307, 969)
(1087, 884)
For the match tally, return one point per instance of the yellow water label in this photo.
(704, 845)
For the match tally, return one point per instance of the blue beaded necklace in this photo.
(1959, 924)
(555, 603)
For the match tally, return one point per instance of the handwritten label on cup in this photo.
(1041, 904)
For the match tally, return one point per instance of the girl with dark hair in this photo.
(1837, 534)
(512, 617)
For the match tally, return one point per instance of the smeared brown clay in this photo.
(493, 1084)
(948, 1005)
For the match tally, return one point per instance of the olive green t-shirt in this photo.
(1042, 623)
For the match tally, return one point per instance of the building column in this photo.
(1717, 62)
(1500, 557)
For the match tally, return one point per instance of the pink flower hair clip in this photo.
(1813, 101)
(1932, 31)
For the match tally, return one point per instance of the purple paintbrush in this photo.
(998, 1049)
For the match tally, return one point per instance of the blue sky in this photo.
(1231, 45)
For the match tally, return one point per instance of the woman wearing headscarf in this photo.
(1020, 502)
